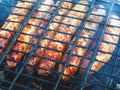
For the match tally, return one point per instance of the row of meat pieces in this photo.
(60, 31)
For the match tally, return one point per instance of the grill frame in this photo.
(57, 82)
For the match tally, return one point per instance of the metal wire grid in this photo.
(115, 54)
(97, 47)
(56, 82)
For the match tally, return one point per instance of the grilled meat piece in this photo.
(105, 48)
(55, 55)
(29, 29)
(13, 26)
(84, 42)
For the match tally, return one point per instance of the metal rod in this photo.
(74, 45)
(43, 33)
(16, 36)
(97, 47)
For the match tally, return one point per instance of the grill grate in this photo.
(108, 78)
(97, 47)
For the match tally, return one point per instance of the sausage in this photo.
(12, 26)
(104, 49)
(29, 29)
(54, 55)
(78, 50)
(49, 34)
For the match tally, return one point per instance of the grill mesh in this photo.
(18, 78)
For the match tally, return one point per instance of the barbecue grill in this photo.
(18, 78)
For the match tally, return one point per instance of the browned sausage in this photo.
(75, 60)
(104, 46)
(29, 29)
(12, 25)
(54, 55)
(49, 34)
